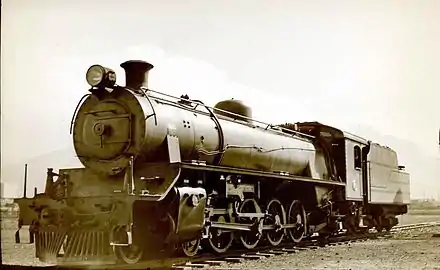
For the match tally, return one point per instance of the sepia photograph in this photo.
(220, 134)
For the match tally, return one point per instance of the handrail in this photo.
(233, 114)
(76, 111)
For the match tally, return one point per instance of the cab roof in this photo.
(337, 133)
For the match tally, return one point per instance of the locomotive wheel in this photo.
(219, 240)
(379, 223)
(250, 239)
(131, 254)
(388, 224)
(190, 248)
(296, 215)
(350, 224)
(277, 217)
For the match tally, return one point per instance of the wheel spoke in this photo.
(131, 254)
(249, 239)
(190, 248)
(219, 240)
(277, 217)
(296, 215)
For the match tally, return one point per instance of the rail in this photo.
(415, 226)
(217, 261)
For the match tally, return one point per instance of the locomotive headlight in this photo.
(99, 76)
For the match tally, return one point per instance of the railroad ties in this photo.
(232, 259)
(225, 262)
(237, 258)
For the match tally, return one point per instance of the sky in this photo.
(374, 64)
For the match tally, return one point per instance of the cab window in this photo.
(357, 157)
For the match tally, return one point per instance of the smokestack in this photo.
(136, 73)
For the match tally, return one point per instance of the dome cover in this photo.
(236, 107)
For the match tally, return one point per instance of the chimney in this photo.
(136, 73)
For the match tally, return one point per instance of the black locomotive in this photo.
(164, 174)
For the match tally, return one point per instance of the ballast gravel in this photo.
(417, 249)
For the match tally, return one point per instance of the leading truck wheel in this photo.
(190, 248)
(131, 254)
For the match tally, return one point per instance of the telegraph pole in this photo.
(25, 181)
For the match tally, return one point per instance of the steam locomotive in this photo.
(165, 175)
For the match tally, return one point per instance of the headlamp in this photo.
(100, 77)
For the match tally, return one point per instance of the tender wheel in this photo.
(277, 217)
(250, 239)
(190, 248)
(390, 223)
(219, 240)
(296, 215)
(379, 223)
(350, 224)
(128, 254)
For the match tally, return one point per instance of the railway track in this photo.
(211, 261)
(415, 226)
(288, 248)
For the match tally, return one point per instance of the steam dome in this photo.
(236, 107)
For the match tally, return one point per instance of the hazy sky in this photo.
(345, 63)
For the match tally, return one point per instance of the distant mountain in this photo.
(12, 176)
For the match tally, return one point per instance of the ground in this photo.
(411, 250)
(18, 254)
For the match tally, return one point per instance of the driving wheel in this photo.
(296, 215)
(277, 217)
(250, 239)
(219, 240)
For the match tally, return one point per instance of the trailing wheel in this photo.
(130, 254)
(219, 240)
(277, 217)
(296, 215)
(250, 239)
